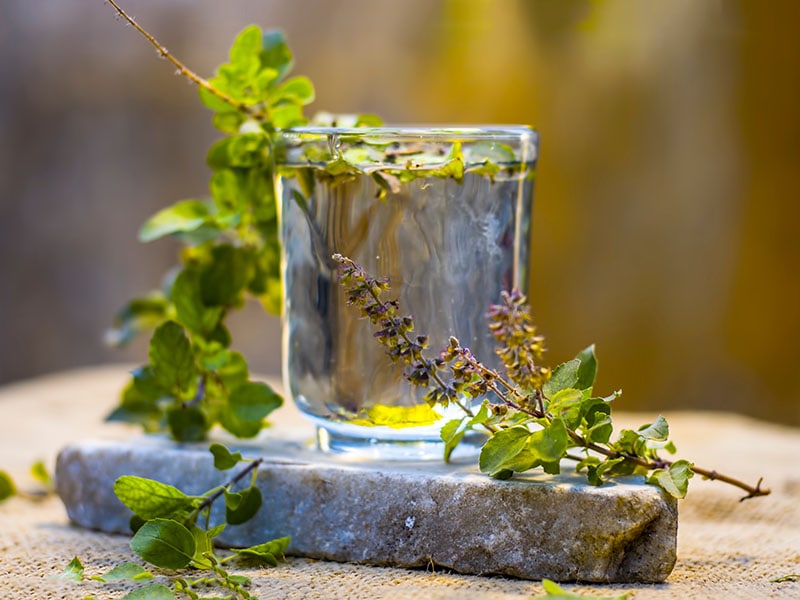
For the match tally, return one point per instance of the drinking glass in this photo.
(445, 214)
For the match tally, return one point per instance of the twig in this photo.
(183, 69)
(210, 499)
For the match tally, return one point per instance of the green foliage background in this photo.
(665, 202)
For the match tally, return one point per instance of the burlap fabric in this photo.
(725, 549)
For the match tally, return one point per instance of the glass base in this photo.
(373, 447)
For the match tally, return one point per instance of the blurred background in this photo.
(666, 209)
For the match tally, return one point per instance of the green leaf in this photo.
(154, 591)
(564, 376)
(675, 480)
(253, 401)
(368, 120)
(566, 405)
(598, 426)
(224, 459)
(188, 423)
(275, 53)
(657, 431)
(203, 545)
(190, 309)
(587, 371)
(149, 498)
(297, 90)
(238, 427)
(451, 434)
(139, 402)
(502, 448)
(244, 507)
(40, 473)
(246, 46)
(224, 183)
(7, 488)
(183, 216)
(128, 571)
(222, 280)
(285, 116)
(553, 590)
(549, 443)
(171, 357)
(137, 316)
(164, 543)
(73, 571)
(269, 552)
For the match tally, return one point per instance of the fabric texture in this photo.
(725, 548)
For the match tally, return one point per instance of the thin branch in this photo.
(212, 498)
(752, 491)
(183, 69)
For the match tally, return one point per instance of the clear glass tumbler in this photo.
(445, 214)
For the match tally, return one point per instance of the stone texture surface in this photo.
(402, 514)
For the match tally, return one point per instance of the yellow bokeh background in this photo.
(666, 197)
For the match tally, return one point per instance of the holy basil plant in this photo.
(193, 379)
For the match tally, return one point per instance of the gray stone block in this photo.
(402, 514)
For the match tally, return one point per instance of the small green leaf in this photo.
(549, 443)
(657, 431)
(269, 552)
(238, 427)
(368, 120)
(73, 571)
(246, 45)
(139, 403)
(566, 405)
(224, 459)
(253, 401)
(171, 357)
(275, 52)
(137, 316)
(40, 473)
(149, 498)
(188, 423)
(675, 480)
(297, 90)
(564, 376)
(190, 309)
(451, 434)
(553, 590)
(246, 505)
(225, 276)
(203, 546)
(154, 591)
(587, 371)
(7, 488)
(128, 571)
(598, 426)
(502, 448)
(183, 216)
(285, 116)
(164, 543)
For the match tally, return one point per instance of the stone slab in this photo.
(401, 514)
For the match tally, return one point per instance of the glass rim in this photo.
(434, 133)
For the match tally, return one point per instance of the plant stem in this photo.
(183, 69)
(213, 497)
(752, 491)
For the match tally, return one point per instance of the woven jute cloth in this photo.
(726, 549)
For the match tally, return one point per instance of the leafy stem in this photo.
(182, 69)
(650, 465)
(537, 414)
(209, 500)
